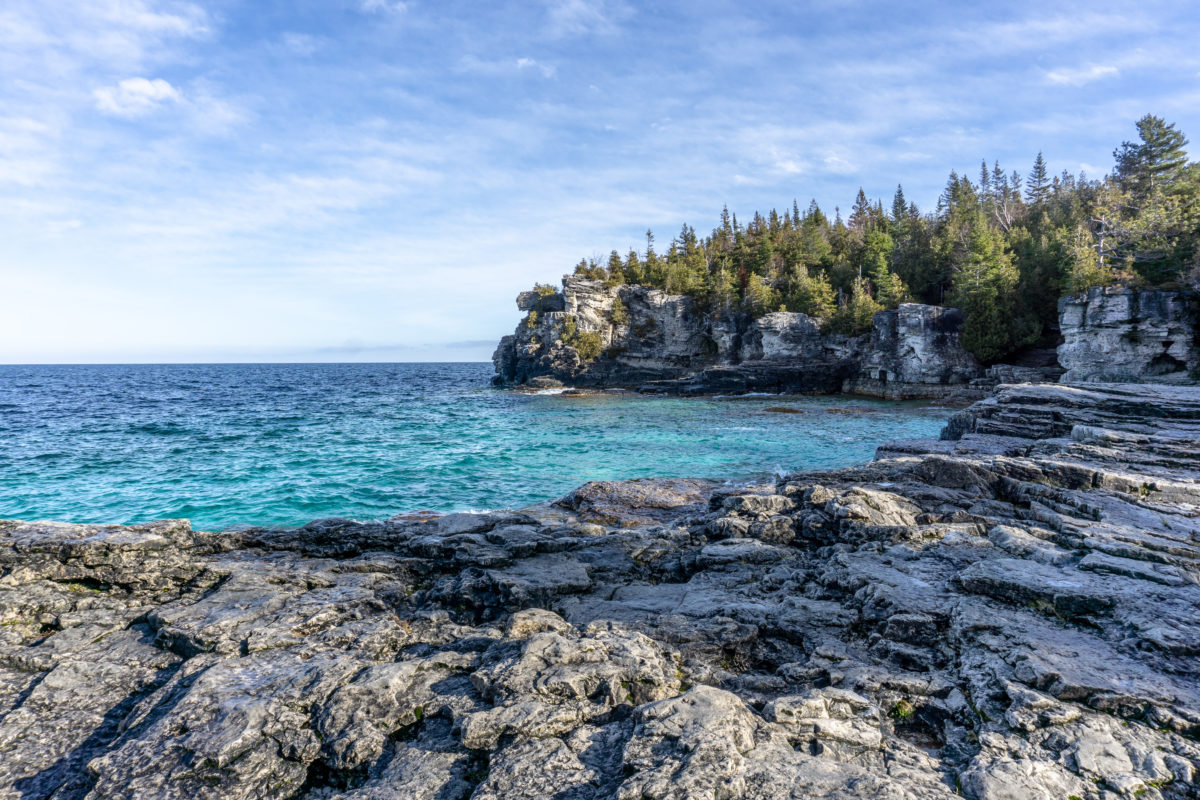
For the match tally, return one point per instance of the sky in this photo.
(376, 180)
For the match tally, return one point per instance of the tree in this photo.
(1157, 159)
(809, 294)
(1087, 268)
(758, 298)
(616, 270)
(1037, 186)
(890, 291)
(857, 313)
(860, 215)
(899, 207)
(985, 283)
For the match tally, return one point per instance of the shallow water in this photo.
(282, 444)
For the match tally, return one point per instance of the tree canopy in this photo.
(1003, 248)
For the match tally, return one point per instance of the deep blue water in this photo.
(282, 444)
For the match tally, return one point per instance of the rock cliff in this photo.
(1119, 334)
(630, 336)
(1012, 612)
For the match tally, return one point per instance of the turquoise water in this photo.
(282, 444)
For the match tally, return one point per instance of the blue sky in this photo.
(250, 180)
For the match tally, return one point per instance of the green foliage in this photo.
(619, 314)
(857, 313)
(531, 321)
(903, 711)
(1003, 247)
(809, 294)
(588, 344)
(758, 298)
(1086, 269)
(544, 290)
(890, 290)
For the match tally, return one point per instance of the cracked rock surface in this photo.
(1011, 612)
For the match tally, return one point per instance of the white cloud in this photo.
(384, 6)
(578, 17)
(547, 70)
(134, 97)
(504, 66)
(1080, 75)
(300, 44)
(184, 19)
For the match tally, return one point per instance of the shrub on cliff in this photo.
(588, 344)
(857, 313)
(619, 314)
(809, 294)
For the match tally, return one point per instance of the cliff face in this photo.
(914, 352)
(647, 339)
(1118, 334)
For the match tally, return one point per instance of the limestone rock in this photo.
(656, 342)
(1118, 334)
(1012, 611)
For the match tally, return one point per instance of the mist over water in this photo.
(282, 444)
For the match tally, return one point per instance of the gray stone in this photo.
(1017, 613)
(1118, 334)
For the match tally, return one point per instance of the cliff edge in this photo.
(592, 334)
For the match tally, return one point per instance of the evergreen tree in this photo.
(899, 207)
(809, 294)
(985, 283)
(1037, 187)
(857, 313)
(616, 269)
(890, 291)
(1158, 159)
(860, 215)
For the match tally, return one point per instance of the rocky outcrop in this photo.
(649, 340)
(1119, 334)
(1010, 612)
(914, 352)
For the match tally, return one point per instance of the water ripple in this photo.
(281, 444)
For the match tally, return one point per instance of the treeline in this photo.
(1003, 247)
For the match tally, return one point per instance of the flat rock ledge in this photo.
(1012, 613)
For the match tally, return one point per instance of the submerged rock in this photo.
(1010, 612)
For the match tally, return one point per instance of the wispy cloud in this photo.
(384, 6)
(300, 44)
(135, 97)
(580, 17)
(235, 179)
(505, 66)
(547, 70)
(1078, 76)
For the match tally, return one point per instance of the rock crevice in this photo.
(1011, 611)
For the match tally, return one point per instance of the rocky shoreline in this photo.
(1010, 612)
(594, 335)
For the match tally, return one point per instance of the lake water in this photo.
(282, 444)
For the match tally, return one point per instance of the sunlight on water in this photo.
(282, 444)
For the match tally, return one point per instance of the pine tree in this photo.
(890, 291)
(809, 294)
(899, 206)
(857, 313)
(1037, 187)
(1158, 159)
(860, 215)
